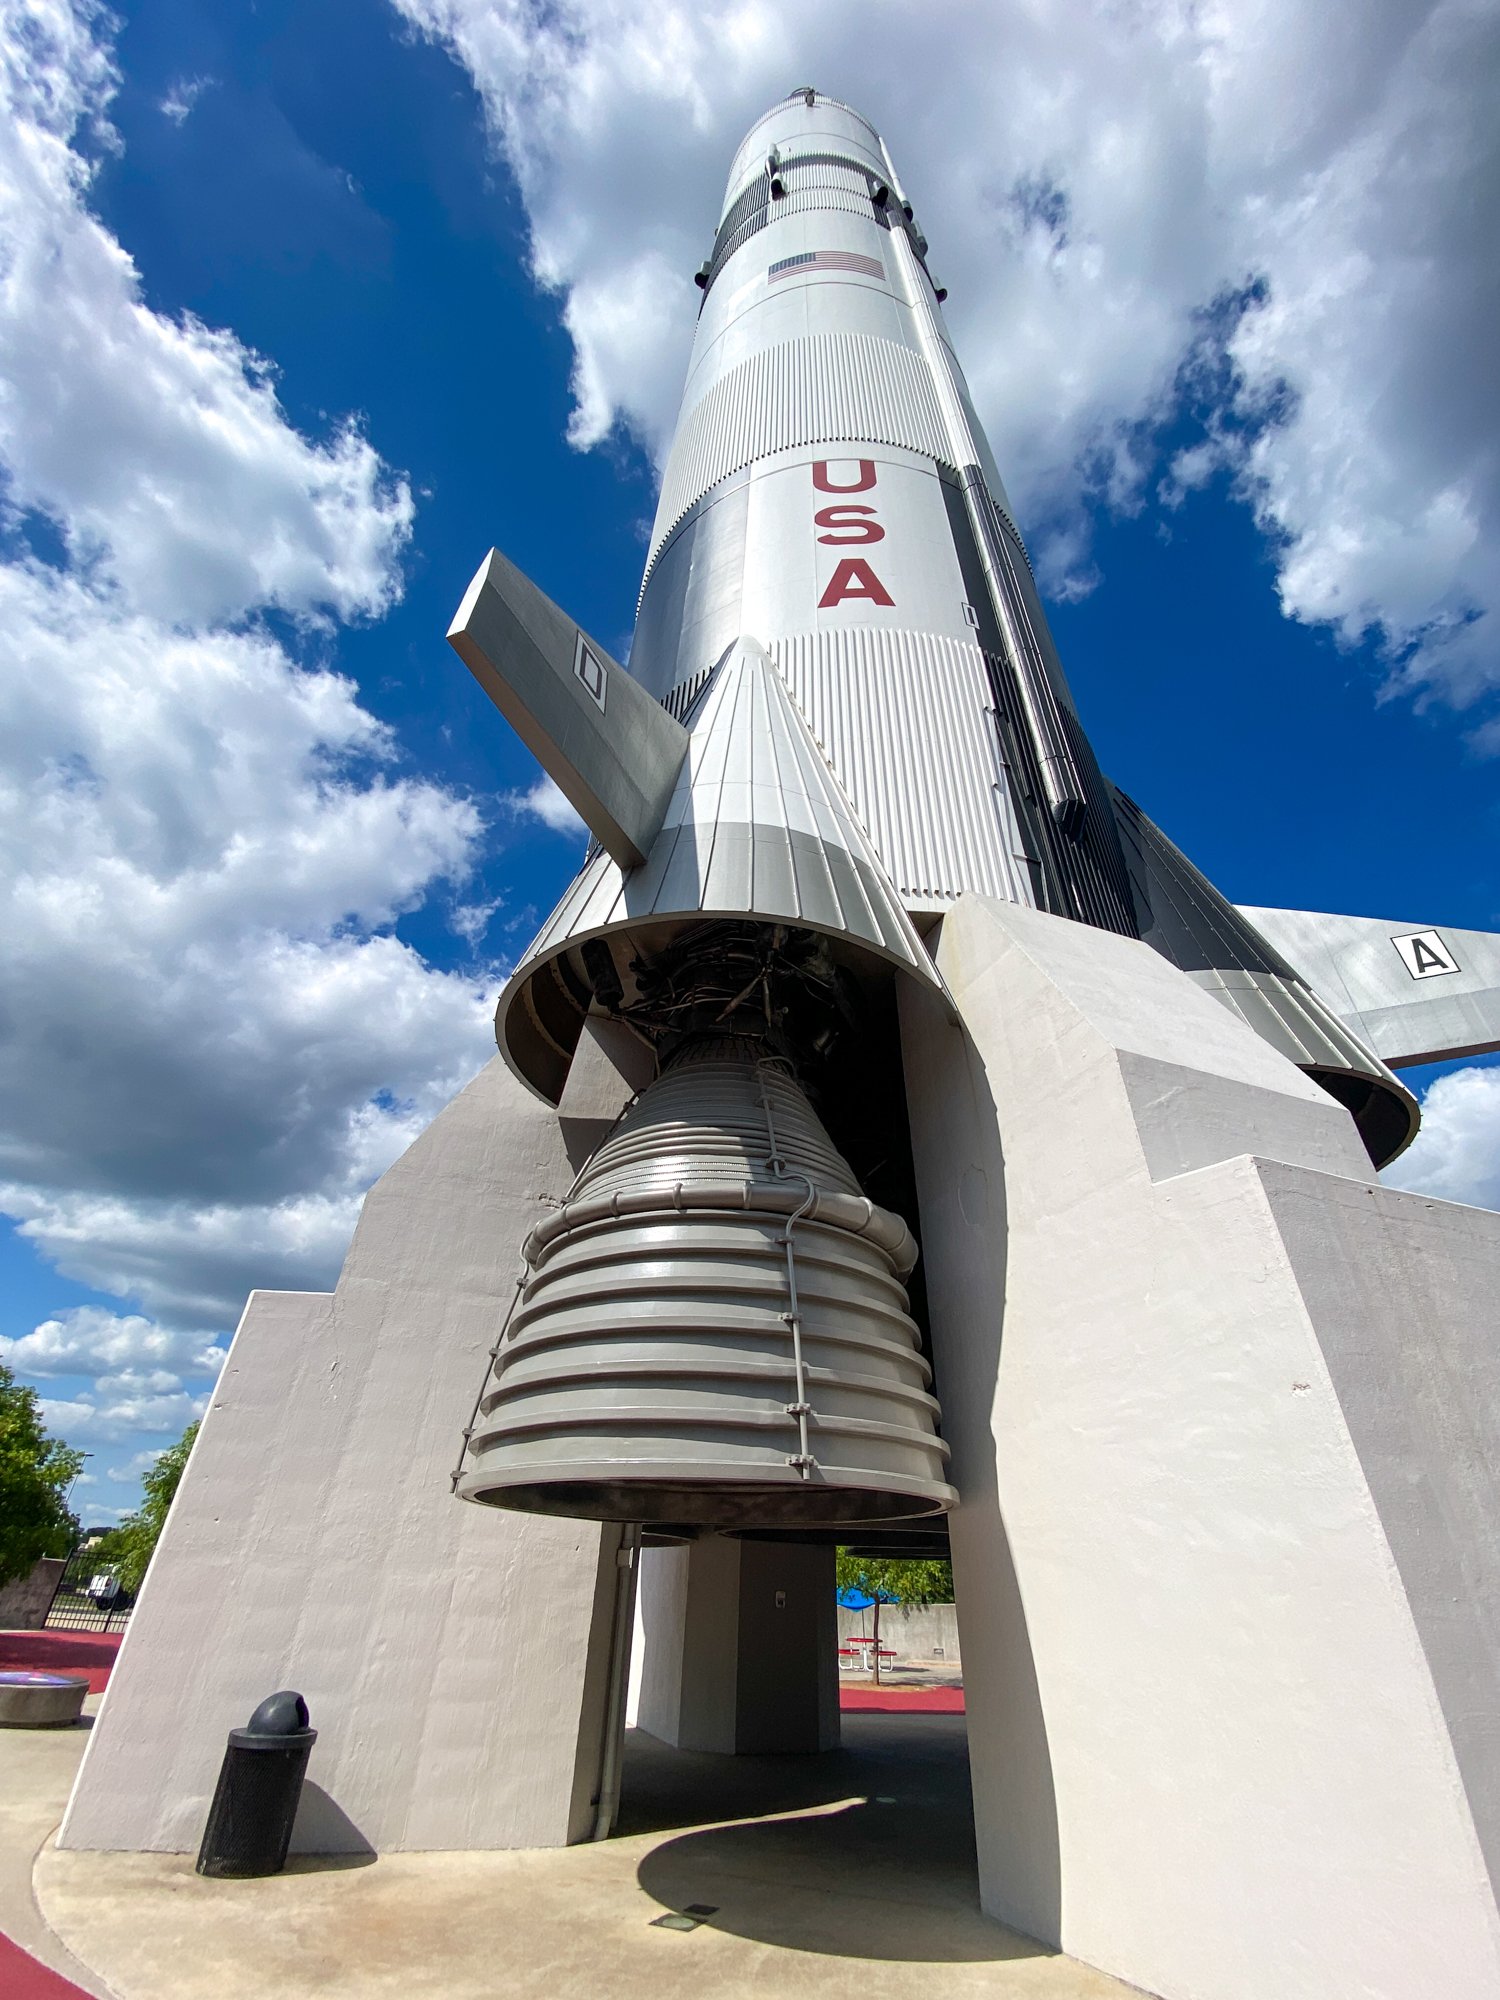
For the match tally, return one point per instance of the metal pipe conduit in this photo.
(1062, 782)
(617, 1686)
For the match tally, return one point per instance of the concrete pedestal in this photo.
(454, 1657)
(41, 1701)
(737, 1647)
(1224, 1424)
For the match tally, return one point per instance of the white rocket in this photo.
(843, 711)
(870, 940)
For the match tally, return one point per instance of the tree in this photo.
(134, 1542)
(893, 1580)
(36, 1472)
(105, 1546)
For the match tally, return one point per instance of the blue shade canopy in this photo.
(854, 1600)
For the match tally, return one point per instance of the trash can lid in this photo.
(280, 1723)
(283, 1714)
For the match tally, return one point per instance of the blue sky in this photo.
(409, 282)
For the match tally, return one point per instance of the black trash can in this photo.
(260, 1781)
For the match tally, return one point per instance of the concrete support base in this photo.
(737, 1647)
(453, 1657)
(1224, 1423)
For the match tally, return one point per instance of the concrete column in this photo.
(1224, 1423)
(454, 1657)
(738, 1647)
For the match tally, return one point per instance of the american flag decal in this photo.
(827, 260)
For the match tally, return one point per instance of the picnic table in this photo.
(860, 1652)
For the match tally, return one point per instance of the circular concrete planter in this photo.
(40, 1701)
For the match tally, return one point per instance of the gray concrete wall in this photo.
(916, 1631)
(451, 1655)
(655, 1701)
(26, 1600)
(786, 1697)
(735, 1648)
(709, 1685)
(1209, 1716)
(1405, 1294)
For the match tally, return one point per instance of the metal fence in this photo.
(88, 1598)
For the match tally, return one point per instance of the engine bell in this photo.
(713, 1330)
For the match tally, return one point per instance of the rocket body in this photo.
(829, 490)
(843, 712)
(831, 515)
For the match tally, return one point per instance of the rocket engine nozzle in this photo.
(713, 1330)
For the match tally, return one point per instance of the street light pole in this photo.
(68, 1496)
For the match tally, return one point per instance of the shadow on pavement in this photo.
(863, 1852)
(324, 1835)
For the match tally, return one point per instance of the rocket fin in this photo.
(1414, 992)
(1181, 914)
(613, 752)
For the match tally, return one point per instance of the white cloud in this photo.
(213, 1042)
(1190, 471)
(192, 1262)
(137, 1465)
(83, 1421)
(183, 95)
(1293, 205)
(137, 1388)
(1456, 1155)
(471, 921)
(212, 1047)
(155, 445)
(90, 1340)
(545, 802)
(139, 1382)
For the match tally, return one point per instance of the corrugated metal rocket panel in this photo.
(816, 186)
(757, 826)
(795, 267)
(905, 720)
(793, 126)
(827, 388)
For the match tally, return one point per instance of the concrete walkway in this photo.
(849, 1876)
(36, 1775)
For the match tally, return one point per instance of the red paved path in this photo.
(89, 1654)
(23, 1977)
(910, 1700)
(93, 1654)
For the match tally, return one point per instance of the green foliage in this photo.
(35, 1473)
(106, 1549)
(896, 1579)
(133, 1543)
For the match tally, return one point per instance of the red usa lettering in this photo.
(852, 527)
(850, 523)
(863, 480)
(854, 578)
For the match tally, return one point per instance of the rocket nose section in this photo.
(806, 121)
